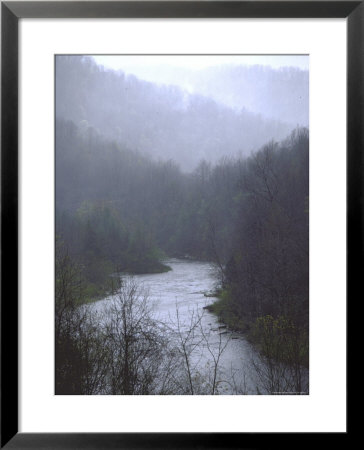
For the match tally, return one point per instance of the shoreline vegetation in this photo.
(220, 308)
(271, 336)
(94, 293)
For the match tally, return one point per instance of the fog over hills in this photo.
(281, 94)
(273, 86)
(222, 117)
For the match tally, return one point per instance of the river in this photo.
(183, 289)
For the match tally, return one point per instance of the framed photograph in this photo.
(181, 212)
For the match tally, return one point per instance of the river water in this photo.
(182, 289)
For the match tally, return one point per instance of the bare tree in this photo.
(134, 341)
(193, 341)
(215, 350)
(81, 363)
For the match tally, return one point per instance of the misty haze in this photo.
(182, 225)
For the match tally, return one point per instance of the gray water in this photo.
(182, 289)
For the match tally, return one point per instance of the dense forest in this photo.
(123, 208)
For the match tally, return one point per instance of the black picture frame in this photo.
(11, 12)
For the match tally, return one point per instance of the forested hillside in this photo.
(280, 93)
(122, 207)
(130, 110)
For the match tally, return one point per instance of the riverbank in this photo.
(225, 314)
(278, 339)
(94, 292)
(100, 292)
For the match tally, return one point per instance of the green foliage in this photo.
(223, 308)
(278, 338)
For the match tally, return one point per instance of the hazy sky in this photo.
(159, 68)
(128, 62)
